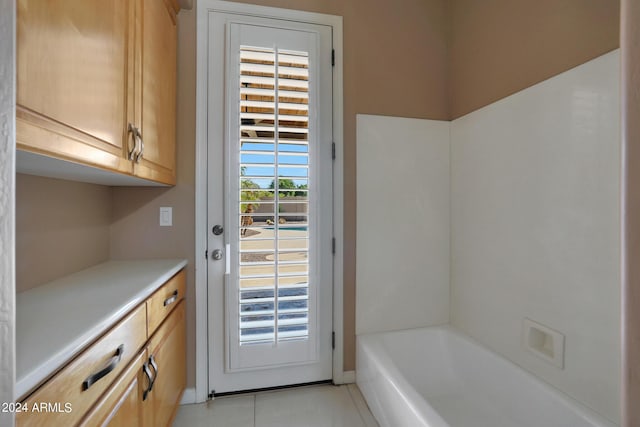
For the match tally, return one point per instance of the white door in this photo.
(270, 194)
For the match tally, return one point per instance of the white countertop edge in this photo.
(39, 374)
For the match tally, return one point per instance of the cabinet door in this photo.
(122, 405)
(167, 349)
(158, 97)
(75, 60)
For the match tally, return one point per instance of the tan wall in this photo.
(631, 219)
(499, 47)
(61, 227)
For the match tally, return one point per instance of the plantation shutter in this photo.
(273, 209)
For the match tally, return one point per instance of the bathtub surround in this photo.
(403, 223)
(534, 228)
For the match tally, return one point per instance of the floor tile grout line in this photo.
(255, 400)
(353, 400)
(365, 413)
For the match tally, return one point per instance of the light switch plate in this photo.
(166, 216)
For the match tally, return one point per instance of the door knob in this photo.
(217, 254)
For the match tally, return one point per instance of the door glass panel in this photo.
(273, 208)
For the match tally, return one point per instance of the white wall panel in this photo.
(402, 267)
(535, 227)
(7, 206)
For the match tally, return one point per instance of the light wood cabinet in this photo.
(157, 89)
(74, 65)
(165, 299)
(97, 84)
(166, 350)
(141, 384)
(122, 405)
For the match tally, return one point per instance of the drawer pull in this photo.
(147, 372)
(113, 362)
(171, 299)
(153, 364)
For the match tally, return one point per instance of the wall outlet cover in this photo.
(544, 342)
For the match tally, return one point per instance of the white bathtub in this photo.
(437, 377)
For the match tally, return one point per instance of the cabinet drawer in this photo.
(80, 383)
(160, 304)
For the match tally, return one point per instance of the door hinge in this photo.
(333, 340)
(333, 245)
(206, 254)
(333, 57)
(333, 150)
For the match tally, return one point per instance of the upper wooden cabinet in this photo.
(96, 84)
(158, 90)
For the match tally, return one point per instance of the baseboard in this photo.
(349, 377)
(189, 396)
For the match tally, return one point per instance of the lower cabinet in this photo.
(140, 384)
(167, 361)
(149, 392)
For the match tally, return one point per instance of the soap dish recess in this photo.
(544, 342)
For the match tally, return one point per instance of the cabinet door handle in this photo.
(113, 362)
(153, 364)
(147, 372)
(171, 299)
(139, 156)
(134, 131)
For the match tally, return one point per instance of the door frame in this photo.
(203, 9)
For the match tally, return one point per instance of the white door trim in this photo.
(203, 8)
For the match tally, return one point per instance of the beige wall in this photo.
(499, 47)
(61, 227)
(631, 210)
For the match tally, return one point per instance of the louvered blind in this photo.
(273, 207)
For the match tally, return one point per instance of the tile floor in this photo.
(311, 406)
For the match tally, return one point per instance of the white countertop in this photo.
(56, 321)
